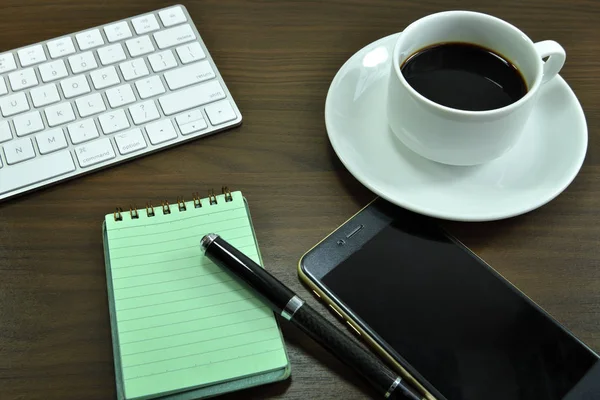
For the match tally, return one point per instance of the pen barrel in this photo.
(281, 299)
(365, 363)
(249, 273)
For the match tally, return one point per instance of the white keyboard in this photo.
(95, 98)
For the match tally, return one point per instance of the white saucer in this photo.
(543, 163)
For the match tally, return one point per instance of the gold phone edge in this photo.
(353, 324)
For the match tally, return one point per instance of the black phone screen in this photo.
(468, 332)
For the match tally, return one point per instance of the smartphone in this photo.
(441, 316)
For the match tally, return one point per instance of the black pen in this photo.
(284, 301)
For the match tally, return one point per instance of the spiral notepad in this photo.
(182, 327)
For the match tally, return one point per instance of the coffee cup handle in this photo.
(556, 58)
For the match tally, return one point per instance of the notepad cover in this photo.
(181, 327)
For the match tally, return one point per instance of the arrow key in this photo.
(192, 127)
(220, 112)
(161, 131)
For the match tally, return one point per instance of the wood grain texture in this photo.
(278, 58)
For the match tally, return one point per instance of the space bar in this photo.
(37, 170)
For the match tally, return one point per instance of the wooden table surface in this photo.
(278, 58)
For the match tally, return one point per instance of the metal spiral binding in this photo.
(166, 208)
(197, 202)
(117, 214)
(212, 198)
(181, 203)
(227, 193)
(149, 210)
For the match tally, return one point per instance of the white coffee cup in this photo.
(457, 137)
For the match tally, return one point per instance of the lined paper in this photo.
(182, 322)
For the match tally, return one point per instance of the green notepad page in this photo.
(179, 321)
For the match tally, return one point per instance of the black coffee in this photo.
(464, 76)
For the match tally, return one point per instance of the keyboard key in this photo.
(172, 16)
(139, 46)
(192, 127)
(117, 31)
(5, 133)
(18, 150)
(7, 63)
(51, 140)
(111, 54)
(189, 116)
(113, 121)
(82, 131)
(162, 61)
(174, 36)
(134, 69)
(149, 87)
(31, 55)
(22, 79)
(83, 62)
(190, 53)
(105, 77)
(34, 171)
(120, 96)
(75, 86)
(59, 114)
(191, 97)
(13, 104)
(94, 152)
(44, 95)
(60, 47)
(219, 113)
(130, 141)
(89, 39)
(53, 70)
(90, 105)
(3, 88)
(26, 124)
(145, 24)
(144, 112)
(189, 75)
(161, 131)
